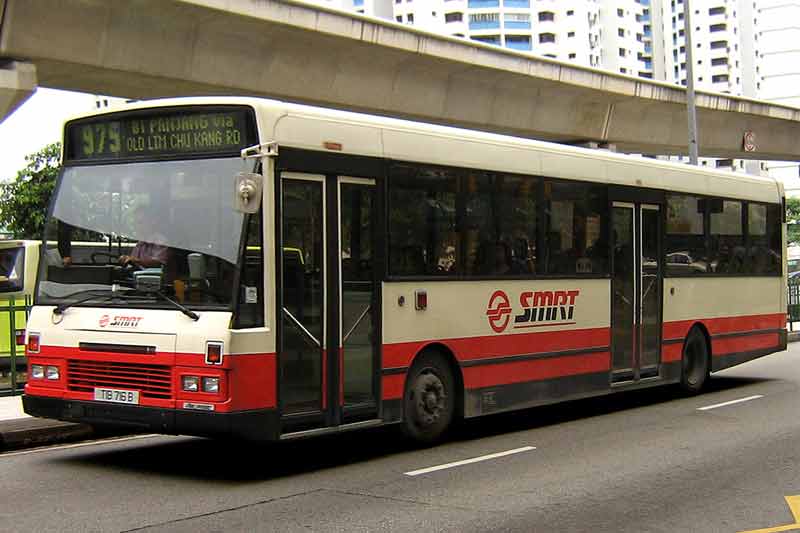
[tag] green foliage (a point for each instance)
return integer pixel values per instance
(793, 219)
(24, 200)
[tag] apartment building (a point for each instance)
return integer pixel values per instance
(723, 44)
(778, 67)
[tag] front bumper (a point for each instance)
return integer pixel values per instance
(261, 424)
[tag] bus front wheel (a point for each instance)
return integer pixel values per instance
(429, 399)
(694, 362)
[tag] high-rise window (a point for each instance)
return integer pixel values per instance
(518, 42)
(547, 38)
(546, 16)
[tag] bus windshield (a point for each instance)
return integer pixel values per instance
(174, 220)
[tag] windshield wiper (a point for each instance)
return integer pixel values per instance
(116, 291)
(180, 307)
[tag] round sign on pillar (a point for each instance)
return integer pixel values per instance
(749, 141)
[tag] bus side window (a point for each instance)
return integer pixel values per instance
(250, 311)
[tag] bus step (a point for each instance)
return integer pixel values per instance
(331, 430)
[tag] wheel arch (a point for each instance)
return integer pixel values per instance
(448, 355)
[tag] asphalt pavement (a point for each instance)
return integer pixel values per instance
(650, 460)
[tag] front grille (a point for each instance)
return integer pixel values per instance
(153, 381)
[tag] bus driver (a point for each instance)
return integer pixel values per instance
(146, 254)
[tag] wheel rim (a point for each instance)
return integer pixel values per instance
(429, 399)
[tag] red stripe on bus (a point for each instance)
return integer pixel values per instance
(715, 326)
(341, 375)
(535, 370)
(465, 349)
(749, 343)
(514, 372)
(252, 382)
(324, 379)
(393, 386)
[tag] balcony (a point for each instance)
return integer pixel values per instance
(483, 3)
(517, 25)
(484, 25)
(516, 3)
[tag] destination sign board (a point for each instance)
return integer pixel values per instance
(159, 133)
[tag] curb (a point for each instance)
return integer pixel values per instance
(793, 336)
(30, 432)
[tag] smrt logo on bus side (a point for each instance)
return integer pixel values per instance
(120, 321)
(539, 308)
(499, 311)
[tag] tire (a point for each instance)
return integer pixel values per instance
(429, 399)
(694, 362)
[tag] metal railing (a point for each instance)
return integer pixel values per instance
(793, 301)
(13, 364)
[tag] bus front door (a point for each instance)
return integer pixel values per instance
(327, 302)
(636, 292)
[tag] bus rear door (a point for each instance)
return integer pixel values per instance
(637, 274)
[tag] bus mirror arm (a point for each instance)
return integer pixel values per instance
(247, 192)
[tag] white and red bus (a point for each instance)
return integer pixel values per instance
(303, 271)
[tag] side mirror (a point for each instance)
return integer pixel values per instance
(247, 192)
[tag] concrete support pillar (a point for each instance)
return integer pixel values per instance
(17, 84)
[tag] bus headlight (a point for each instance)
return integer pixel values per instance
(52, 372)
(37, 371)
(190, 383)
(211, 385)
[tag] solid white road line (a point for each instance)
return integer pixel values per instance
(723, 404)
(469, 461)
(112, 440)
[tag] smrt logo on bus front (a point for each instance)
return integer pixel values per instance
(120, 321)
(539, 308)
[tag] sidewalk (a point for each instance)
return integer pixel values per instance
(18, 430)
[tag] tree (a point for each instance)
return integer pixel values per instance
(793, 220)
(24, 200)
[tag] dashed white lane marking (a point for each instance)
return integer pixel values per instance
(469, 461)
(79, 445)
(723, 404)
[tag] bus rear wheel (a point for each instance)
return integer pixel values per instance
(694, 362)
(429, 399)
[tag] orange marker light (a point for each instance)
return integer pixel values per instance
(33, 343)
(213, 353)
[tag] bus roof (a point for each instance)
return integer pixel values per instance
(299, 126)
